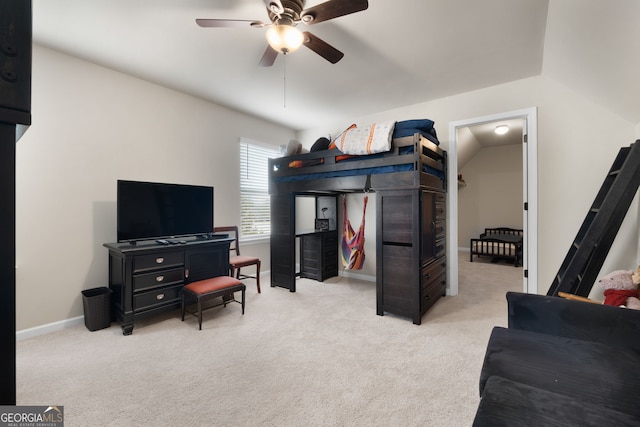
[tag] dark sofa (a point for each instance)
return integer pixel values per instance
(561, 363)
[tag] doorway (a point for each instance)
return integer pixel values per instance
(530, 205)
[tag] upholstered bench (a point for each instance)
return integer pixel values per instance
(202, 290)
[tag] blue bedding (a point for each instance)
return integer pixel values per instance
(409, 127)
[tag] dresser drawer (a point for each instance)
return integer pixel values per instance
(440, 230)
(157, 297)
(441, 211)
(311, 242)
(441, 248)
(158, 260)
(433, 272)
(433, 292)
(142, 282)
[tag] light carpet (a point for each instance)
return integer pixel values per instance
(317, 357)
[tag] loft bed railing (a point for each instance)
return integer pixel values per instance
(413, 161)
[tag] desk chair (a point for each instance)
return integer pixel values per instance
(237, 261)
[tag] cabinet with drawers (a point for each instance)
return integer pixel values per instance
(319, 255)
(147, 278)
(411, 253)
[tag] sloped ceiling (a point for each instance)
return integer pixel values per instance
(396, 53)
(472, 139)
(593, 47)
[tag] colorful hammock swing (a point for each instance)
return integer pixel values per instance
(352, 242)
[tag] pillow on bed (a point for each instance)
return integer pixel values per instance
(321, 143)
(409, 127)
(422, 124)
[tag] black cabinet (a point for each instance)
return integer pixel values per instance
(411, 261)
(319, 255)
(148, 278)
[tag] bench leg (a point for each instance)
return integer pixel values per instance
(199, 313)
(242, 303)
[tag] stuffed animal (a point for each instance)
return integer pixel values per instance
(635, 276)
(620, 289)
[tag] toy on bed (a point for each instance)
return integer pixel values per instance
(620, 289)
(635, 276)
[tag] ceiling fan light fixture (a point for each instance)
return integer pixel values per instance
(284, 38)
(501, 129)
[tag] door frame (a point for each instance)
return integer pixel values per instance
(530, 195)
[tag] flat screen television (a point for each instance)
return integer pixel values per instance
(153, 210)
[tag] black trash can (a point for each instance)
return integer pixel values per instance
(97, 308)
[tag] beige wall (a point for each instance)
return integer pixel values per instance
(577, 142)
(492, 196)
(92, 126)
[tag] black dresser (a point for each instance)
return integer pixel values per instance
(147, 278)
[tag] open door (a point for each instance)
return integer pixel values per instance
(530, 202)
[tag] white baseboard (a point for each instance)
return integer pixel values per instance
(348, 273)
(50, 327)
(67, 323)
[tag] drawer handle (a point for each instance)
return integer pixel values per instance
(159, 260)
(159, 278)
(428, 276)
(160, 296)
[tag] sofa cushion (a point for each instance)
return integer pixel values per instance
(595, 373)
(511, 404)
(574, 319)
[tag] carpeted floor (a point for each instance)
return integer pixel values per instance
(316, 357)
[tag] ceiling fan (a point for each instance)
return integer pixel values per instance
(285, 15)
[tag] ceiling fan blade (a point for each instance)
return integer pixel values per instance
(220, 23)
(268, 57)
(274, 6)
(332, 9)
(322, 48)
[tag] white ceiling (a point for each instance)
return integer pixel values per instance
(397, 53)
(485, 134)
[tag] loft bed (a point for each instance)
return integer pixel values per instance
(409, 179)
(412, 161)
(498, 243)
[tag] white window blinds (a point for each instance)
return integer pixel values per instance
(255, 216)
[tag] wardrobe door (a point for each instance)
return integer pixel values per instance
(398, 253)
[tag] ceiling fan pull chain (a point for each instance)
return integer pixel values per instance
(284, 82)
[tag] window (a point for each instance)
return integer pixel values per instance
(255, 215)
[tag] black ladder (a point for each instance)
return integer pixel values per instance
(584, 260)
